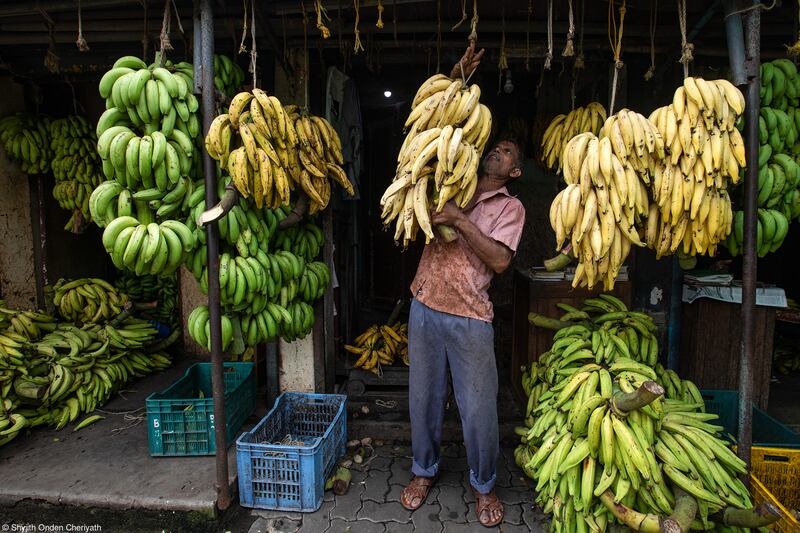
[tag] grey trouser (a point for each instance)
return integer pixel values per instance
(437, 340)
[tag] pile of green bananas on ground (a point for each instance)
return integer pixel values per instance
(228, 75)
(75, 165)
(779, 172)
(147, 289)
(87, 300)
(73, 370)
(26, 139)
(605, 444)
(28, 324)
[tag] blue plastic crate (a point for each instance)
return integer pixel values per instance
(291, 477)
(180, 422)
(767, 431)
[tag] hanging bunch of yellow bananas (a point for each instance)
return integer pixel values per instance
(564, 127)
(691, 204)
(380, 345)
(269, 149)
(439, 159)
(606, 197)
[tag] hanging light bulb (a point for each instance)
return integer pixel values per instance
(508, 87)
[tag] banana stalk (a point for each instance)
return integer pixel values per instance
(644, 395)
(761, 516)
(685, 510)
(644, 523)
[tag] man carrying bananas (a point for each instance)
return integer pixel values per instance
(450, 325)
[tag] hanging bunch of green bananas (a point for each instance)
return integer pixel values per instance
(228, 75)
(75, 167)
(26, 139)
(147, 138)
(304, 240)
(149, 288)
(74, 370)
(778, 170)
(148, 248)
(110, 200)
(611, 437)
(564, 127)
(29, 324)
(87, 300)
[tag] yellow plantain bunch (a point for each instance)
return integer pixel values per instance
(691, 205)
(269, 150)
(564, 127)
(380, 345)
(439, 159)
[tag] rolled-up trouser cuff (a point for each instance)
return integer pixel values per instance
(431, 471)
(485, 487)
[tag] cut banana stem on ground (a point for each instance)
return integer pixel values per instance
(448, 129)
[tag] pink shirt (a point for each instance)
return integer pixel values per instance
(450, 277)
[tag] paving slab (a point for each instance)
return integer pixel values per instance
(275, 525)
(319, 520)
(384, 512)
(454, 508)
(396, 527)
(83, 469)
(376, 486)
(401, 471)
(347, 506)
(426, 518)
(360, 526)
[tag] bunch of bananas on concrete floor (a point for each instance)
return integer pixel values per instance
(26, 139)
(148, 138)
(692, 207)
(612, 437)
(75, 167)
(564, 127)
(147, 289)
(74, 370)
(606, 197)
(228, 75)
(87, 300)
(28, 324)
(440, 155)
(148, 248)
(269, 149)
(380, 345)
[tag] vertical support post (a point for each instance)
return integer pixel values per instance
(197, 48)
(747, 354)
(40, 249)
(328, 329)
(212, 243)
(273, 382)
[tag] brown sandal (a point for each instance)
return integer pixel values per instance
(484, 505)
(417, 489)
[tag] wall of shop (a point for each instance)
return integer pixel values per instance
(17, 285)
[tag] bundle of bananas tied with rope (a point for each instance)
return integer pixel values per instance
(564, 127)
(270, 149)
(439, 158)
(380, 345)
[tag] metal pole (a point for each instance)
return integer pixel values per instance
(212, 244)
(747, 355)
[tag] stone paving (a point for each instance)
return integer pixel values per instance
(372, 505)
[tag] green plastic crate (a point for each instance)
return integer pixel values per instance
(767, 431)
(181, 423)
